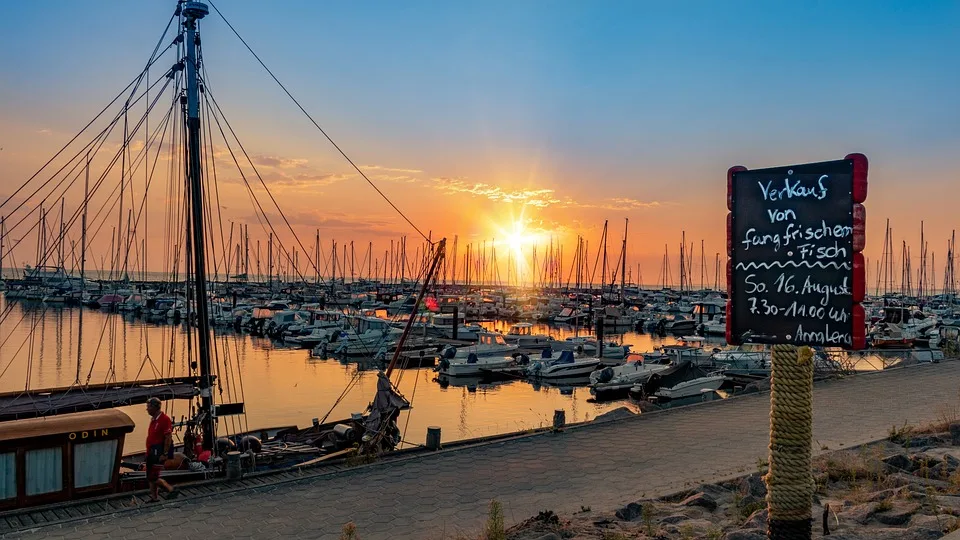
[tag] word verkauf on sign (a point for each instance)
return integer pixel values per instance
(795, 273)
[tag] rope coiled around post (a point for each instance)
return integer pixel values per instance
(790, 485)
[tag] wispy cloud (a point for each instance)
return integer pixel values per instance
(540, 198)
(276, 161)
(366, 168)
(530, 197)
(336, 221)
(391, 174)
(618, 204)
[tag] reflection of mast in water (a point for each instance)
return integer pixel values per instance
(574, 406)
(43, 339)
(464, 430)
(123, 342)
(111, 352)
(58, 338)
(70, 334)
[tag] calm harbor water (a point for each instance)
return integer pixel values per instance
(40, 347)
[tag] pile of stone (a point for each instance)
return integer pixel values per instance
(906, 488)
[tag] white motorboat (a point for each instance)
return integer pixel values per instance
(680, 326)
(612, 380)
(588, 346)
(522, 335)
(693, 387)
(473, 365)
(716, 327)
(488, 344)
(564, 364)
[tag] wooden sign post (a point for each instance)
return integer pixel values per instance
(795, 277)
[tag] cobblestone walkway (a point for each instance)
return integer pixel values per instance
(602, 466)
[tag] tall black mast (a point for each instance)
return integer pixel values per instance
(192, 12)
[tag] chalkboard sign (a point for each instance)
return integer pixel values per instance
(791, 247)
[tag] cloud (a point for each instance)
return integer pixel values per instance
(391, 174)
(528, 197)
(618, 204)
(279, 162)
(335, 221)
(389, 169)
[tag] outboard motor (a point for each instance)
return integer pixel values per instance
(606, 375)
(472, 358)
(443, 364)
(522, 359)
(448, 352)
(547, 353)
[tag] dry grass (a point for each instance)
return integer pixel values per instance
(493, 530)
(947, 414)
(349, 532)
(849, 466)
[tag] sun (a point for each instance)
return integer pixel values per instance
(518, 238)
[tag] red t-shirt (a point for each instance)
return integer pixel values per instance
(159, 428)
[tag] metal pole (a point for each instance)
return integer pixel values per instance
(194, 11)
(789, 481)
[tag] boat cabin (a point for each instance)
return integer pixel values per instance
(489, 338)
(61, 458)
(521, 329)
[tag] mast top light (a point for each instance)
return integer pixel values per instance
(195, 10)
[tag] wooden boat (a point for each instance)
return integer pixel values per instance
(61, 458)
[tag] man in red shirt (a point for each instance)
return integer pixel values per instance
(159, 447)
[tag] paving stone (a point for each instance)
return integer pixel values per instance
(449, 492)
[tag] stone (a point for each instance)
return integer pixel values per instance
(861, 513)
(948, 501)
(951, 461)
(898, 515)
(749, 500)
(746, 534)
(940, 522)
(630, 512)
(754, 485)
(702, 500)
(917, 483)
(955, 433)
(883, 495)
(939, 471)
(899, 462)
(549, 536)
(757, 520)
(674, 519)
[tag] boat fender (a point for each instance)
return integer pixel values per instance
(249, 442)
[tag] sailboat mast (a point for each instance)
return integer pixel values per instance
(83, 227)
(194, 11)
(623, 261)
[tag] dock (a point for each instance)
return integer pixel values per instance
(602, 464)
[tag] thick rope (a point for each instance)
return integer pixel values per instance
(790, 484)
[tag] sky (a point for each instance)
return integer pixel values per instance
(527, 121)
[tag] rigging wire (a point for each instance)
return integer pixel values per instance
(315, 124)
